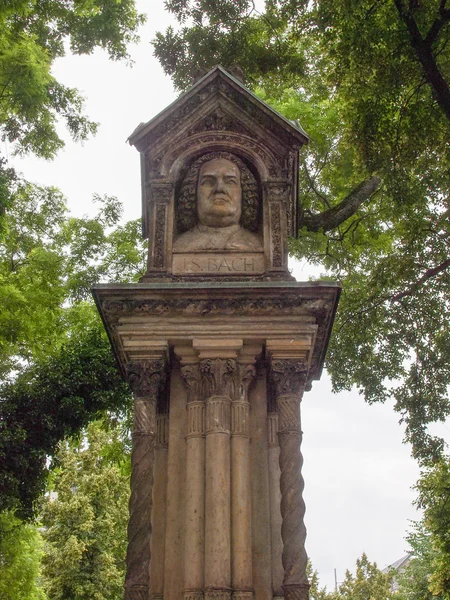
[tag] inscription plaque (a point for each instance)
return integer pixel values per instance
(236, 263)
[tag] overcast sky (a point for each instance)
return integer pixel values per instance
(358, 473)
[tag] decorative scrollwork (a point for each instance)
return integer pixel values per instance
(247, 375)
(218, 377)
(160, 236)
(218, 594)
(145, 377)
(275, 227)
(288, 376)
(191, 377)
(139, 524)
(193, 595)
(243, 595)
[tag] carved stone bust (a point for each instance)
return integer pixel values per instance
(219, 210)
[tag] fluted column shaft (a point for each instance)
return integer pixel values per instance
(218, 384)
(289, 379)
(195, 487)
(145, 378)
(218, 516)
(241, 516)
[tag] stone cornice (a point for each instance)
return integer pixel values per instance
(170, 313)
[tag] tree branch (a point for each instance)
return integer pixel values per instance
(313, 187)
(438, 23)
(333, 217)
(424, 53)
(429, 273)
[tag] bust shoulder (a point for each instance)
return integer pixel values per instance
(187, 241)
(244, 240)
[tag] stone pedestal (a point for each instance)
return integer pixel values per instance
(219, 344)
(218, 372)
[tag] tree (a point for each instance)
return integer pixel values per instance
(368, 583)
(413, 580)
(434, 499)
(315, 591)
(48, 260)
(369, 82)
(50, 401)
(20, 558)
(58, 370)
(48, 263)
(33, 35)
(85, 520)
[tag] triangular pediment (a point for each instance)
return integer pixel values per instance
(217, 84)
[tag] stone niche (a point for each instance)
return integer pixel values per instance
(216, 122)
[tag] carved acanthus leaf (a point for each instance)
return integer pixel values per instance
(146, 377)
(191, 377)
(218, 377)
(289, 376)
(247, 375)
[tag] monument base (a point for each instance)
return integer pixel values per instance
(223, 432)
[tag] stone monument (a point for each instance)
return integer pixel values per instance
(218, 343)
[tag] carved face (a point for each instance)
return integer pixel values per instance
(219, 193)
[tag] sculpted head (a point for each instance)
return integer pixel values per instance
(219, 193)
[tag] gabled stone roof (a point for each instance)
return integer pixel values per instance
(219, 73)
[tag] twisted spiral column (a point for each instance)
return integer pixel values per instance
(145, 378)
(289, 379)
(275, 502)
(159, 506)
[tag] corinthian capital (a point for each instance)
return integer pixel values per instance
(218, 377)
(247, 373)
(288, 376)
(146, 377)
(191, 377)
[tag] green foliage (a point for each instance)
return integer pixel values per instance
(368, 583)
(48, 263)
(57, 367)
(85, 535)
(226, 32)
(20, 557)
(413, 581)
(33, 34)
(315, 591)
(49, 401)
(427, 575)
(434, 498)
(353, 74)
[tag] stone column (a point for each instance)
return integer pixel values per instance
(194, 557)
(218, 371)
(276, 542)
(145, 377)
(159, 508)
(288, 376)
(241, 513)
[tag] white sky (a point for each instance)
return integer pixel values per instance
(358, 473)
